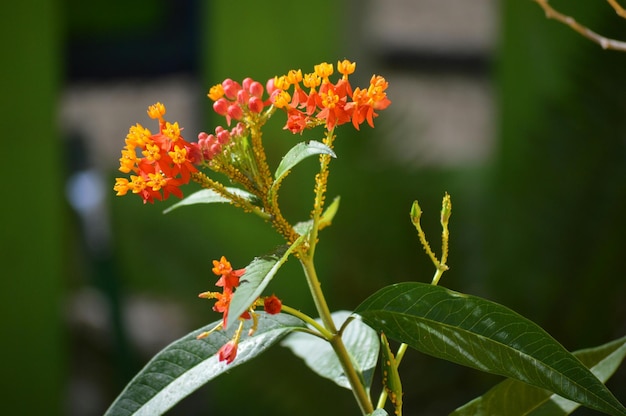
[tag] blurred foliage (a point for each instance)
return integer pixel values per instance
(31, 289)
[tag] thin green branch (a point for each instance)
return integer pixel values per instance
(358, 389)
(321, 331)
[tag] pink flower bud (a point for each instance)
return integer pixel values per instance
(221, 106)
(230, 88)
(238, 130)
(255, 104)
(242, 97)
(269, 86)
(223, 136)
(234, 112)
(215, 148)
(245, 84)
(256, 89)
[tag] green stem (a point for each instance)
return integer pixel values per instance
(324, 333)
(316, 292)
(306, 259)
(358, 388)
(442, 268)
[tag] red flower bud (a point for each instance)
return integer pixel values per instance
(228, 352)
(272, 305)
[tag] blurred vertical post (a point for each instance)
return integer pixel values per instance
(32, 372)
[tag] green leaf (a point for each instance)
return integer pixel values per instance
(360, 340)
(208, 196)
(512, 397)
(484, 335)
(327, 216)
(303, 227)
(297, 154)
(259, 273)
(187, 364)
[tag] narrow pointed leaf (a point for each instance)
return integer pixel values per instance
(209, 196)
(298, 153)
(514, 398)
(188, 363)
(326, 219)
(327, 216)
(360, 340)
(259, 273)
(391, 376)
(484, 335)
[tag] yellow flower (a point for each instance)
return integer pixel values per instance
(172, 130)
(156, 111)
(282, 99)
(121, 186)
(346, 68)
(216, 92)
(311, 80)
(324, 70)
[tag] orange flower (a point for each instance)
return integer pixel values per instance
(328, 103)
(366, 101)
(229, 280)
(333, 107)
(296, 121)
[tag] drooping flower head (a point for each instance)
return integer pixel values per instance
(229, 280)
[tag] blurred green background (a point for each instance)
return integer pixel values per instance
(540, 227)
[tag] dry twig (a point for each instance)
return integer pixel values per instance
(618, 9)
(604, 42)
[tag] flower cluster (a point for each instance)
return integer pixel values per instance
(161, 162)
(233, 100)
(228, 281)
(325, 102)
(212, 145)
